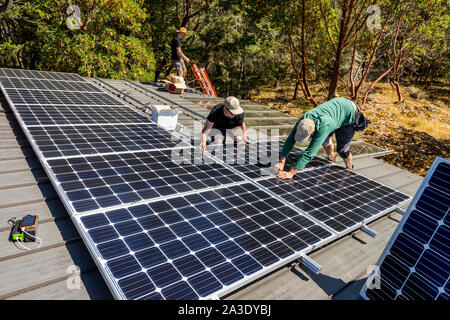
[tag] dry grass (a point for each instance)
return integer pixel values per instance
(416, 129)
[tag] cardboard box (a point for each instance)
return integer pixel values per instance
(175, 87)
(165, 117)
(175, 79)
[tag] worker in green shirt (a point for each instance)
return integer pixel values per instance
(340, 116)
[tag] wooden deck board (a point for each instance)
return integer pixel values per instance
(17, 196)
(22, 179)
(42, 267)
(92, 286)
(54, 233)
(45, 210)
(16, 153)
(7, 166)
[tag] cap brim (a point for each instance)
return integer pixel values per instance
(236, 112)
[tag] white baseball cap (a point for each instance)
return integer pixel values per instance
(305, 129)
(232, 104)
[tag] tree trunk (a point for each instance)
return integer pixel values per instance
(397, 88)
(339, 49)
(336, 71)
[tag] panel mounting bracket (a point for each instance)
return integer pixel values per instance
(310, 264)
(370, 232)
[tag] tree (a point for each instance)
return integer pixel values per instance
(107, 43)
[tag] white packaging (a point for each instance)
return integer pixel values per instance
(165, 117)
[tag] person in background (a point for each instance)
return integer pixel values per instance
(226, 115)
(340, 116)
(178, 57)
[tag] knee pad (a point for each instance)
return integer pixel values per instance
(344, 154)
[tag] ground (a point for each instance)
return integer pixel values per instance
(416, 129)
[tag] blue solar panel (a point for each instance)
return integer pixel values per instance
(339, 198)
(65, 141)
(48, 84)
(415, 264)
(201, 254)
(257, 160)
(104, 181)
(46, 115)
(35, 74)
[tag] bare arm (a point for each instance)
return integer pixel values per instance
(182, 54)
(205, 131)
(244, 132)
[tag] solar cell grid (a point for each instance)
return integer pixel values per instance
(39, 97)
(200, 251)
(337, 197)
(41, 115)
(103, 181)
(35, 74)
(84, 140)
(257, 160)
(52, 85)
(415, 264)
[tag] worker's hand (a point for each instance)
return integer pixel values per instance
(247, 141)
(279, 166)
(286, 175)
(203, 146)
(188, 60)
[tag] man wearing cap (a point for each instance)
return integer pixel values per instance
(340, 116)
(178, 56)
(227, 115)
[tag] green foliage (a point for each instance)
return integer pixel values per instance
(109, 43)
(243, 44)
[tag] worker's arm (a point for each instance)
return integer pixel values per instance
(205, 131)
(317, 139)
(182, 54)
(244, 132)
(287, 147)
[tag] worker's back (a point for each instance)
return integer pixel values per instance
(335, 113)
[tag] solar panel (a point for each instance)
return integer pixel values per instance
(341, 199)
(160, 218)
(103, 181)
(415, 263)
(53, 85)
(54, 142)
(36, 74)
(43, 115)
(194, 246)
(257, 160)
(30, 97)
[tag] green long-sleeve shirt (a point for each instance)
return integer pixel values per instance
(328, 117)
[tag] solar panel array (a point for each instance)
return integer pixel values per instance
(258, 160)
(415, 263)
(341, 199)
(73, 140)
(191, 246)
(163, 220)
